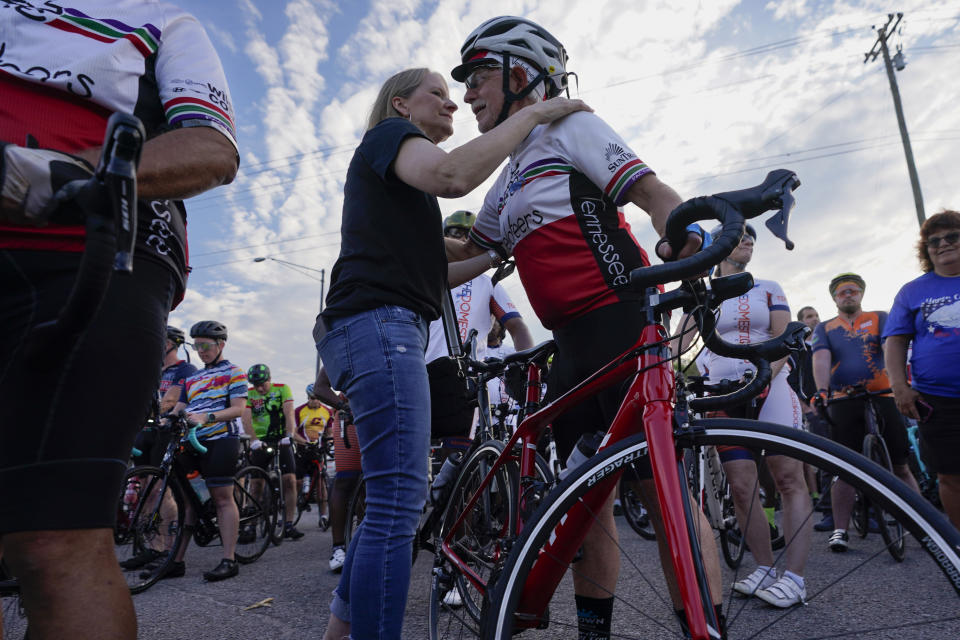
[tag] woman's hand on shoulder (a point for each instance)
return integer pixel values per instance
(556, 108)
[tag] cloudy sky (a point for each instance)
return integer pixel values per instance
(712, 94)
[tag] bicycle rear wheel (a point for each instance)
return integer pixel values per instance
(254, 498)
(859, 594)
(148, 531)
(455, 603)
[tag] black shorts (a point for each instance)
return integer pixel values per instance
(451, 407)
(260, 458)
(940, 435)
(62, 457)
(218, 465)
(152, 443)
(584, 345)
(849, 426)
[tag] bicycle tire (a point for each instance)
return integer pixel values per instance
(479, 544)
(356, 508)
(890, 531)
(923, 599)
(149, 517)
(279, 509)
(321, 493)
(732, 542)
(251, 492)
(634, 512)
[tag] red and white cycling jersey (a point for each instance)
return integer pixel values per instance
(66, 66)
(555, 207)
(473, 303)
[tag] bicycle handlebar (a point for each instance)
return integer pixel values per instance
(731, 208)
(493, 367)
(189, 433)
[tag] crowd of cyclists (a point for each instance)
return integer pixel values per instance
(555, 212)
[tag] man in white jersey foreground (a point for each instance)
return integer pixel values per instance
(67, 67)
(556, 209)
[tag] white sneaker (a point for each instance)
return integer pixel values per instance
(761, 578)
(785, 593)
(336, 560)
(453, 598)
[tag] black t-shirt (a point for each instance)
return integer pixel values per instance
(391, 248)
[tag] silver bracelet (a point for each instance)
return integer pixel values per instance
(494, 258)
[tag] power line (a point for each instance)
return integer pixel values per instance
(262, 244)
(250, 259)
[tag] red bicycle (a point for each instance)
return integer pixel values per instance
(509, 564)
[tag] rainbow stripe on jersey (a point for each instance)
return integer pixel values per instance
(212, 389)
(145, 38)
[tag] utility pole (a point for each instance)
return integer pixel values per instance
(882, 34)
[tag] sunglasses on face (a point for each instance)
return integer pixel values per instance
(457, 232)
(948, 238)
(475, 79)
(203, 346)
(848, 292)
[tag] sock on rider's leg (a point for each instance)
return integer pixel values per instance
(593, 617)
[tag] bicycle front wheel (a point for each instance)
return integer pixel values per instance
(455, 603)
(858, 594)
(251, 491)
(149, 527)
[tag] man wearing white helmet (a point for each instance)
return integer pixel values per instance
(556, 208)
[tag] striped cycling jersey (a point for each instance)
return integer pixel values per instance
(211, 389)
(555, 207)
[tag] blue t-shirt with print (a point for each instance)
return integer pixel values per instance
(928, 309)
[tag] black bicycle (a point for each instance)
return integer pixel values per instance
(313, 487)
(152, 511)
(866, 513)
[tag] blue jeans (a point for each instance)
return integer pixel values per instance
(376, 359)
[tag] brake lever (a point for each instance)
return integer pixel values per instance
(777, 223)
(775, 192)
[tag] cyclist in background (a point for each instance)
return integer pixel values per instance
(214, 399)
(476, 304)
(847, 351)
(926, 313)
(760, 314)
(314, 421)
(52, 123)
(346, 452)
(268, 417)
(150, 441)
(556, 208)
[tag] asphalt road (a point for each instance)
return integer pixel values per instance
(296, 577)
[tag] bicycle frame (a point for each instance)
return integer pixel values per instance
(647, 407)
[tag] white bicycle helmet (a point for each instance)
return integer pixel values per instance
(513, 36)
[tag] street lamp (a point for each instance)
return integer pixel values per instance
(297, 267)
